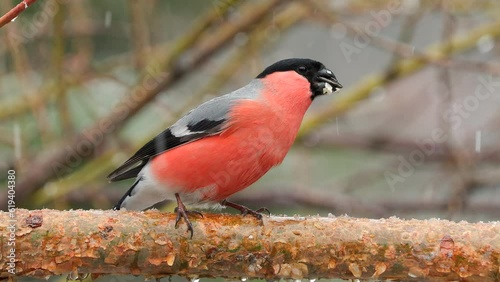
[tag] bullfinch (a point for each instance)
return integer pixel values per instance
(227, 143)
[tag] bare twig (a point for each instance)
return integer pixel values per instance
(14, 12)
(147, 243)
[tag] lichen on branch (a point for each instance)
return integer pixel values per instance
(50, 242)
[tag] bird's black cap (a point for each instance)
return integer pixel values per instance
(315, 72)
(311, 67)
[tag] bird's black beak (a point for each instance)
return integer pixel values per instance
(327, 76)
(325, 82)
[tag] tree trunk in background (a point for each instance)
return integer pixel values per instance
(50, 242)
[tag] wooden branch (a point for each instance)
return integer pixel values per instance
(50, 242)
(14, 12)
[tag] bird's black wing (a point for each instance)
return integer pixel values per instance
(163, 142)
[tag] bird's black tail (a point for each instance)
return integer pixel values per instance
(129, 193)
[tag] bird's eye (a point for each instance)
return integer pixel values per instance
(302, 69)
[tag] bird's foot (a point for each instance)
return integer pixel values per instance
(182, 212)
(244, 210)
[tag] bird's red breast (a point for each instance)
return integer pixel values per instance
(260, 133)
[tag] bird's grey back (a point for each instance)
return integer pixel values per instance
(215, 110)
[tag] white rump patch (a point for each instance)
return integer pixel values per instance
(150, 191)
(200, 197)
(147, 192)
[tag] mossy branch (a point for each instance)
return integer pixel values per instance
(50, 242)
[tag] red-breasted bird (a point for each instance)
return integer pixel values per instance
(227, 143)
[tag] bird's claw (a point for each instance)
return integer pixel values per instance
(188, 212)
(257, 213)
(262, 210)
(246, 211)
(182, 212)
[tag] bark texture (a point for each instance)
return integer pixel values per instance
(50, 242)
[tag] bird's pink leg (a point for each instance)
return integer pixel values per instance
(183, 212)
(244, 210)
